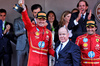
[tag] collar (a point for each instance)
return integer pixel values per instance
(4, 21)
(64, 43)
(89, 36)
(84, 15)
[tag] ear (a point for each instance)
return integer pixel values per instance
(86, 7)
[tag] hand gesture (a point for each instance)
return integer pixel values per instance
(89, 16)
(21, 2)
(79, 16)
(7, 29)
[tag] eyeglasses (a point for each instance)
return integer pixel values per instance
(2, 15)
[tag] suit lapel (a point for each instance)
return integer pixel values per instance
(66, 48)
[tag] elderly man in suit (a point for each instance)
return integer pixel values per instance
(67, 53)
(78, 19)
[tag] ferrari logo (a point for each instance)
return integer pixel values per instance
(97, 40)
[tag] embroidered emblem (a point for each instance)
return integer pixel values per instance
(47, 38)
(41, 44)
(85, 40)
(47, 32)
(97, 40)
(37, 33)
(85, 44)
(91, 54)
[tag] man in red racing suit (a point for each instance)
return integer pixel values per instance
(40, 40)
(89, 44)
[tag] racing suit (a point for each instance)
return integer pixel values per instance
(90, 49)
(40, 43)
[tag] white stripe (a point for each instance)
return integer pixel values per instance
(39, 52)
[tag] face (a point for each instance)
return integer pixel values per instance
(51, 17)
(63, 35)
(35, 12)
(67, 18)
(41, 22)
(91, 30)
(82, 7)
(2, 16)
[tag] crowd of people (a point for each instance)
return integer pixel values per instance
(42, 40)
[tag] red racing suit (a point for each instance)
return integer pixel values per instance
(40, 43)
(90, 49)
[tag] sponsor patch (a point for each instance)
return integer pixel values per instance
(91, 54)
(41, 44)
(85, 40)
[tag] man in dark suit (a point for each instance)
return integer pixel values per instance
(78, 20)
(7, 35)
(0, 29)
(67, 53)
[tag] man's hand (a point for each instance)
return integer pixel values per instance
(22, 2)
(89, 16)
(7, 29)
(79, 16)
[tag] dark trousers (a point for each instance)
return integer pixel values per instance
(6, 58)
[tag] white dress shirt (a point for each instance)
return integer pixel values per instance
(58, 48)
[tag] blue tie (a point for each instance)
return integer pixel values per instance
(60, 48)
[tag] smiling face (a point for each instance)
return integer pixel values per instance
(63, 34)
(82, 7)
(41, 22)
(51, 17)
(91, 30)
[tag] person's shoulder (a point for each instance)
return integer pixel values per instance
(73, 44)
(82, 36)
(97, 35)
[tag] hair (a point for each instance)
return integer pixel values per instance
(61, 22)
(35, 6)
(63, 28)
(55, 22)
(81, 1)
(3, 11)
(74, 10)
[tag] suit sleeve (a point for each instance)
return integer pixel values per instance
(71, 24)
(51, 50)
(26, 20)
(18, 31)
(76, 56)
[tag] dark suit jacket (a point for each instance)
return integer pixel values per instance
(69, 55)
(0, 29)
(5, 44)
(81, 27)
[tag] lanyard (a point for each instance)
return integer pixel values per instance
(53, 28)
(3, 27)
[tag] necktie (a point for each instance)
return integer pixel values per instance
(60, 48)
(82, 18)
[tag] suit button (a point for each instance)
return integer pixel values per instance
(56, 61)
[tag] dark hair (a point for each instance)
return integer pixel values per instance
(3, 11)
(35, 6)
(74, 10)
(81, 1)
(55, 23)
